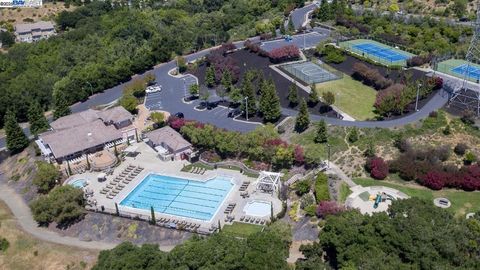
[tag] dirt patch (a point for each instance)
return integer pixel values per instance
(46, 12)
(26, 252)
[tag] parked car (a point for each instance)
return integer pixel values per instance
(153, 89)
(234, 113)
(179, 115)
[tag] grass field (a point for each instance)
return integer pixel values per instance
(344, 191)
(241, 229)
(462, 202)
(351, 96)
(26, 252)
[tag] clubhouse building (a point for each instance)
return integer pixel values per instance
(73, 136)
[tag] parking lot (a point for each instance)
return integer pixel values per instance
(153, 101)
(302, 41)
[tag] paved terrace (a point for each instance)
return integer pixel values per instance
(148, 160)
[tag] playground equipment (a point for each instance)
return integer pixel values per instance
(288, 38)
(381, 198)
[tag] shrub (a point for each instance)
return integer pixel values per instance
(434, 180)
(460, 149)
(311, 210)
(468, 117)
(4, 244)
(333, 55)
(288, 52)
(469, 158)
(353, 135)
(391, 100)
(321, 188)
(377, 167)
(326, 208)
(419, 60)
(176, 123)
(370, 76)
(298, 155)
(46, 177)
(302, 187)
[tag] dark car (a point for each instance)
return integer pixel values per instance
(234, 113)
(179, 115)
(464, 19)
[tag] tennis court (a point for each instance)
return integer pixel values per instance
(311, 73)
(377, 51)
(460, 69)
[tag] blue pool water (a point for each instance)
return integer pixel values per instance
(468, 70)
(79, 183)
(381, 52)
(179, 197)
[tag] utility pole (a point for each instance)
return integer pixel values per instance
(246, 107)
(184, 88)
(328, 157)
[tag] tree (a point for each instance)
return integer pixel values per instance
(303, 119)
(270, 103)
(292, 95)
(149, 78)
(312, 97)
(327, 208)
(129, 102)
(227, 79)
(210, 76)
(378, 168)
(205, 96)
(158, 119)
(16, 139)
(249, 93)
(370, 151)
(291, 26)
(459, 7)
(46, 177)
(282, 29)
(182, 64)
(302, 187)
(60, 105)
(7, 39)
(194, 89)
(324, 13)
(321, 135)
(353, 135)
(329, 98)
(63, 205)
(235, 95)
(38, 121)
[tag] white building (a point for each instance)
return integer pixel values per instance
(31, 32)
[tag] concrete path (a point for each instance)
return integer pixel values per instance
(24, 216)
(334, 169)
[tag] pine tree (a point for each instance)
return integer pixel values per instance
(210, 76)
(153, 221)
(353, 135)
(16, 139)
(321, 136)
(227, 79)
(292, 95)
(38, 121)
(303, 118)
(291, 27)
(60, 105)
(270, 103)
(249, 92)
(312, 97)
(274, 32)
(324, 12)
(282, 29)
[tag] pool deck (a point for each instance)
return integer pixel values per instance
(148, 160)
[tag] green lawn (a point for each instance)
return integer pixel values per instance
(462, 202)
(241, 229)
(344, 191)
(351, 96)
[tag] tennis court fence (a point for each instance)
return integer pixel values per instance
(448, 68)
(350, 46)
(328, 73)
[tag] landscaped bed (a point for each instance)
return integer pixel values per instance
(247, 61)
(242, 229)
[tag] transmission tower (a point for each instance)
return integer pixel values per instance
(467, 96)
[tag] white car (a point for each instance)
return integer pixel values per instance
(153, 89)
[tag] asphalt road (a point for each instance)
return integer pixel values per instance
(302, 41)
(299, 16)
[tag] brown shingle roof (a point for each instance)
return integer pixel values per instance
(169, 137)
(74, 120)
(116, 115)
(69, 141)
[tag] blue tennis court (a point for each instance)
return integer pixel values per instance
(468, 70)
(381, 52)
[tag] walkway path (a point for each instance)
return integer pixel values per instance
(22, 213)
(336, 170)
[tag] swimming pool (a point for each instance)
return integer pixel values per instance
(258, 208)
(179, 197)
(78, 183)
